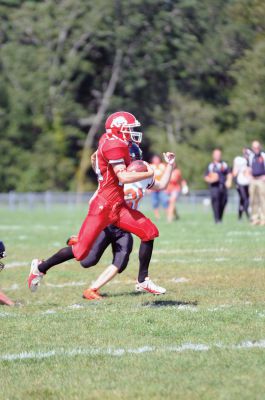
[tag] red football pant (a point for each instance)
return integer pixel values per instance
(101, 214)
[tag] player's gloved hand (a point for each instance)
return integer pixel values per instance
(169, 158)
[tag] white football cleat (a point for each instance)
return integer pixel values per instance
(35, 276)
(149, 286)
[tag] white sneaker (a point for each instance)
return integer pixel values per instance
(149, 286)
(35, 276)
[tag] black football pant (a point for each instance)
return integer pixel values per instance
(121, 243)
(243, 193)
(219, 200)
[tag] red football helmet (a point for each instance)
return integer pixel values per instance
(122, 123)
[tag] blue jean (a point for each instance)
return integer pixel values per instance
(159, 198)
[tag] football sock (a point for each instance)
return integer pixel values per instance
(62, 255)
(145, 254)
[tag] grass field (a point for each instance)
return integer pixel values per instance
(204, 339)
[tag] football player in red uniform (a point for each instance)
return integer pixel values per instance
(108, 205)
(120, 240)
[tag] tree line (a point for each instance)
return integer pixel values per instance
(192, 71)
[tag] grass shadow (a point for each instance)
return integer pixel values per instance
(169, 303)
(154, 303)
(121, 294)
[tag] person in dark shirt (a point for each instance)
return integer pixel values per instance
(257, 184)
(218, 176)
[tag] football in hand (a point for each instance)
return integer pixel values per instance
(137, 166)
(213, 177)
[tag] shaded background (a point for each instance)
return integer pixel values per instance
(193, 72)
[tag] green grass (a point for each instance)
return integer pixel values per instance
(96, 346)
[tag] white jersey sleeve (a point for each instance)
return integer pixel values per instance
(134, 192)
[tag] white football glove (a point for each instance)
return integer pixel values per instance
(169, 158)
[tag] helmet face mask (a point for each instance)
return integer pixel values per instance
(135, 136)
(122, 123)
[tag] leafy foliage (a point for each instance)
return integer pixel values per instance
(192, 71)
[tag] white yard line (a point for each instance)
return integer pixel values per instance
(11, 227)
(182, 251)
(67, 284)
(16, 286)
(179, 280)
(245, 233)
(16, 264)
(87, 305)
(117, 352)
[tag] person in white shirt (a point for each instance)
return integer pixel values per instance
(256, 161)
(242, 176)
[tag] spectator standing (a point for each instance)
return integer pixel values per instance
(257, 184)
(176, 185)
(158, 197)
(241, 174)
(219, 178)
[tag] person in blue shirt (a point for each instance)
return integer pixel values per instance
(257, 184)
(219, 178)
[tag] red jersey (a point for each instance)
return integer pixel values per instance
(110, 151)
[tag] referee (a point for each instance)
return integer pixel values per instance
(219, 178)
